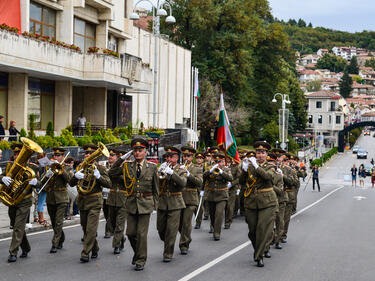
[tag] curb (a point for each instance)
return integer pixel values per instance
(37, 228)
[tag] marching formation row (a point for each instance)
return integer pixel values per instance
(266, 182)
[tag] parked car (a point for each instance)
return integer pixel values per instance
(366, 133)
(368, 169)
(362, 154)
(355, 149)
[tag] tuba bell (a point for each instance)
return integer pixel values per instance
(87, 184)
(20, 174)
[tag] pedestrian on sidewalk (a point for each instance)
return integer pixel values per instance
(315, 176)
(13, 131)
(354, 175)
(373, 177)
(362, 176)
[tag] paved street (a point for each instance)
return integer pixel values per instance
(330, 239)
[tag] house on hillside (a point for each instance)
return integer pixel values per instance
(345, 52)
(309, 59)
(362, 89)
(322, 52)
(308, 75)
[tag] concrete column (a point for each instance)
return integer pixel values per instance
(63, 105)
(65, 22)
(17, 99)
(102, 34)
(25, 15)
(121, 46)
(95, 105)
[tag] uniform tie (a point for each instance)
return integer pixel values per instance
(138, 170)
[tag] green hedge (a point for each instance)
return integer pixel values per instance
(325, 157)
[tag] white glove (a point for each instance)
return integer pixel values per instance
(79, 175)
(33, 182)
(187, 173)
(126, 155)
(201, 193)
(49, 173)
(1, 171)
(168, 171)
(238, 192)
(213, 168)
(182, 167)
(279, 171)
(7, 180)
(253, 161)
(220, 171)
(97, 174)
(162, 166)
(245, 165)
(229, 184)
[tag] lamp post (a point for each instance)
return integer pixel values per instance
(284, 100)
(157, 12)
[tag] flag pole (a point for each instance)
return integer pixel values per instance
(191, 103)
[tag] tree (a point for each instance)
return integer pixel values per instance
(357, 78)
(292, 22)
(310, 25)
(331, 62)
(370, 63)
(314, 86)
(345, 85)
(353, 66)
(301, 23)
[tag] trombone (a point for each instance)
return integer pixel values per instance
(56, 169)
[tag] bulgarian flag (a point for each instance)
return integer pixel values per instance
(225, 138)
(197, 95)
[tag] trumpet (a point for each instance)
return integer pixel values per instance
(161, 171)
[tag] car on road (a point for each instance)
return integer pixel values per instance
(366, 133)
(368, 168)
(362, 154)
(355, 149)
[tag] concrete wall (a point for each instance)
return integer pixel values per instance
(17, 98)
(63, 104)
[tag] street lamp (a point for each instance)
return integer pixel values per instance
(284, 100)
(157, 12)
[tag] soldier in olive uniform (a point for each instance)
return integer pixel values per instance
(300, 173)
(260, 199)
(89, 205)
(216, 181)
(19, 214)
(291, 181)
(116, 203)
(57, 196)
(190, 195)
(141, 185)
(281, 180)
(233, 189)
(172, 182)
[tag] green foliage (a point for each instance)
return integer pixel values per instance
(317, 162)
(325, 157)
(50, 131)
(105, 136)
(47, 141)
(357, 78)
(314, 86)
(370, 63)
(69, 128)
(23, 133)
(66, 138)
(332, 62)
(271, 132)
(32, 134)
(88, 129)
(4, 145)
(353, 66)
(292, 145)
(346, 85)
(84, 140)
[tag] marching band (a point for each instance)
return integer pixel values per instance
(263, 186)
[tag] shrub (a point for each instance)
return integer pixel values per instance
(316, 162)
(47, 141)
(32, 126)
(4, 145)
(88, 129)
(50, 131)
(66, 138)
(23, 133)
(84, 140)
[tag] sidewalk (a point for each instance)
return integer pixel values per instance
(5, 231)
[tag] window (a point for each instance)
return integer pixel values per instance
(4, 97)
(112, 43)
(330, 119)
(333, 106)
(318, 104)
(320, 119)
(84, 34)
(310, 119)
(338, 119)
(41, 101)
(42, 20)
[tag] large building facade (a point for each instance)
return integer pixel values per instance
(56, 81)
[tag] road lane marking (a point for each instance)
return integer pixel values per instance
(359, 198)
(240, 247)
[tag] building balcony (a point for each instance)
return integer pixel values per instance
(48, 61)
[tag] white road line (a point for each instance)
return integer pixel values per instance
(240, 247)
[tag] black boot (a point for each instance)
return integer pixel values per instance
(116, 251)
(139, 267)
(278, 246)
(197, 226)
(267, 254)
(53, 250)
(60, 246)
(94, 255)
(12, 258)
(260, 263)
(84, 259)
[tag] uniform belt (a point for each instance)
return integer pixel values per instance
(172, 193)
(217, 189)
(265, 189)
(289, 190)
(98, 194)
(117, 190)
(191, 189)
(141, 194)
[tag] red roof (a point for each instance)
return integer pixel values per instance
(324, 94)
(361, 86)
(143, 23)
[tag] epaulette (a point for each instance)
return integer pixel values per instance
(150, 162)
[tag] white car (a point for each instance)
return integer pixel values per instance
(355, 149)
(362, 153)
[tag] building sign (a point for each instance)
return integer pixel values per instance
(125, 110)
(10, 13)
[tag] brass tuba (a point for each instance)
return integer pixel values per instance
(20, 174)
(87, 184)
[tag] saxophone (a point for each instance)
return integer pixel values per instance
(20, 174)
(86, 185)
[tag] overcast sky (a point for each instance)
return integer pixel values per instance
(347, 15)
